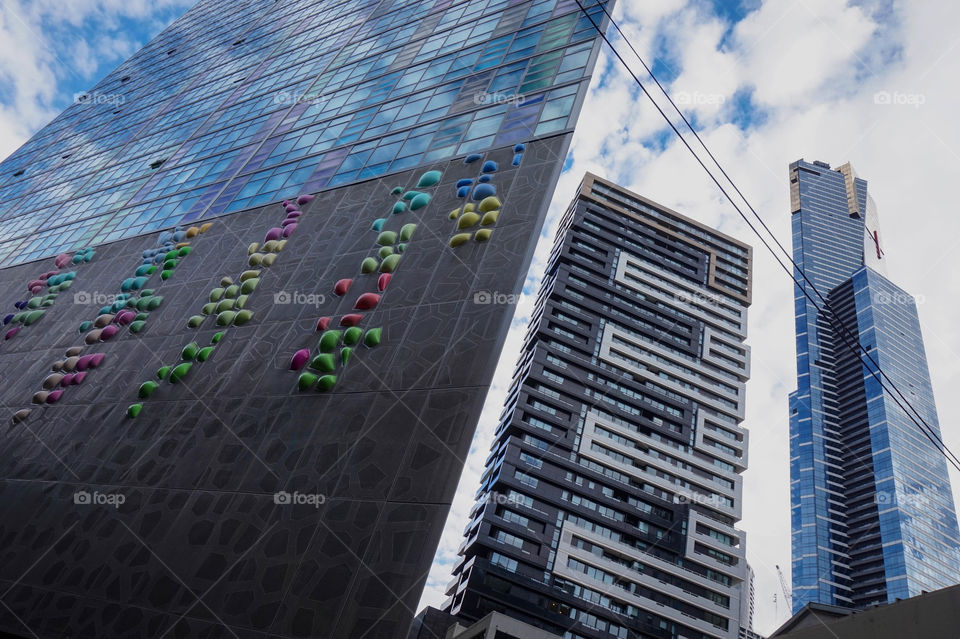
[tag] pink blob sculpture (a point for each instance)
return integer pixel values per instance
(367, 301)
(351, 320)
(299, 359)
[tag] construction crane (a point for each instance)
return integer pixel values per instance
(787, 593)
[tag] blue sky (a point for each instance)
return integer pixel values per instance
(766, 84)
(52, 49)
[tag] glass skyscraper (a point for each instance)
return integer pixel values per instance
(610, 498)
(244, 102)
(872, 513)
(242, 357)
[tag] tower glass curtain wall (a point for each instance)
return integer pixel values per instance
(272, 221)
(610, 497)
(872, 513)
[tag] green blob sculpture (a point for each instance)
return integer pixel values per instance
(387, 238)
(329, 341)
(32, 317)
(162, 372)
(204, 353)
(231, 291)
(326, 382)
(216, 294)
(179, 372)
(189, 351)
(165, 274)
(490, 217)
(345, 355)
(226, 318)
(223, 305)
(137, 325)
(306, 381)
(134, 410)
(372, 338)
(195, 321)
(324, 362)
(249, 285)
(389, 265)
(369, 265)
(482, 235)
(384, 252)
(209, 308)
(406, 232)
(243, 317)
(217, 337)
(352, 335)
(146, 389)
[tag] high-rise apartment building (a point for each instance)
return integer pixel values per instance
(872, 513)
(610, 497)
(242, 362)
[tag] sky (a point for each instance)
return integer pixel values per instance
(870, 82)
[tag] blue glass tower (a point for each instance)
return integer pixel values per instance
(872, 514)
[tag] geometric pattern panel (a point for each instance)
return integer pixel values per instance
(236, 500)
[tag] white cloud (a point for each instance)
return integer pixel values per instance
(44, 46)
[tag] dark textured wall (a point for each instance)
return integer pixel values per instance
(199, 542)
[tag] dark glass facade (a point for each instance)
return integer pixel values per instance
(873, 517)
(242, 357)
(610, 497)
